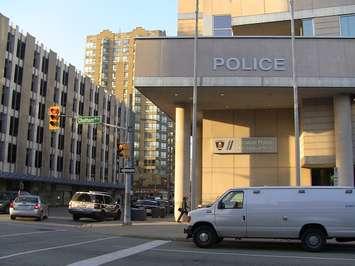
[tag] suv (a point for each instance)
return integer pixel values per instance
(95, 205)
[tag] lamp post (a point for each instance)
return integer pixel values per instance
(295, 96)
(194, 117)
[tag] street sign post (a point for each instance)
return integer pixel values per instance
(89, 119)
(127, 170)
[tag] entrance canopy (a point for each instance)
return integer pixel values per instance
(244, 72)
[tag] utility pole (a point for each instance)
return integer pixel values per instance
(128, 177)
(194, 117)
(295, 96)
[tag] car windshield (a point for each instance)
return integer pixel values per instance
(27, 199)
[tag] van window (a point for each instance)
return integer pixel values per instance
(233, 200)
(81, 197)
(99, 199)
(108, 200)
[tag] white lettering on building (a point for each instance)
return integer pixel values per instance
(249, 64)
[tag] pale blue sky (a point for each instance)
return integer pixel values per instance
(62, 25)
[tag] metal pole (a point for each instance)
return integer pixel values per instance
(295, 96)
(194, 117)
(127, 202)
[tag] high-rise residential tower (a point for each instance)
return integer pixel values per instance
(110, 62)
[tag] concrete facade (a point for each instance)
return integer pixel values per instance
(53, 164)
(242, 100)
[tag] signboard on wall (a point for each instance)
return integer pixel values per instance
(244, 145)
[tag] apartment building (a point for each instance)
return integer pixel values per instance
(245, 129)
(110, 62)
(52, 164)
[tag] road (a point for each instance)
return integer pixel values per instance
(62, 242)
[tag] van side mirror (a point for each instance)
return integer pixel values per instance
(221, 205)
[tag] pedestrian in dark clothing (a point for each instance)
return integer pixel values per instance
(183, 209)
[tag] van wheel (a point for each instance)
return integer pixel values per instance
(204, 237)
(219, 240)
(314, 240)
(76, 218)
(117, 216)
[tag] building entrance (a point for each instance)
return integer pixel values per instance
(322, 177)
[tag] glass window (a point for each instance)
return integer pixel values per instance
(308, 27)
(347, 24)
(233, 200)
(222, 21)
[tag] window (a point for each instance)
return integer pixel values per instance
(61, 142)
(18, 75)
(32, 111)
(78, 147)
(36, 59)
(43, 89)
(82, 197)
(10, 42)
(62, 122)
(45, 65)
(222, 26)
(81, 108)
(53, 137)
(30, 132)
(65, 78)
(41, 110)
(2, 151)
(39, 137)
(233, 200)
(5, 95)
(308, 27)
(13, 131)
(38, 159)
(93, 152)
(59, 163)
(11, 153)
(77, 168)
(347, 25)
(7, 69)
(63, 99)
(16, 100)
(3, 122)
(34, 83)
(20, 51)
(51, 162)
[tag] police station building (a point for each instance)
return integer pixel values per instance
(245, 127)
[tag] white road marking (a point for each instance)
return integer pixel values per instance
(56, 247)
(252, 255)
(106, 258)
(31, 233)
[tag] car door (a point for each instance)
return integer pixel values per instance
(230, 215)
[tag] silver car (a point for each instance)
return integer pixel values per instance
(28, 206)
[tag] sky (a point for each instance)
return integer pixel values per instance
(62, 25)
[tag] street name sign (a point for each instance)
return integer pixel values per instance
(89, 120)
(127, 170)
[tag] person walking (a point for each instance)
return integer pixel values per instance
(183, 210)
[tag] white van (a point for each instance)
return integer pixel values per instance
(311, 214)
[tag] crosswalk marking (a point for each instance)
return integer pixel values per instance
(109, 257)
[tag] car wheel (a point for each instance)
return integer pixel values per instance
(76, 218)
(204, 236)
(314, 240)
(12, 217)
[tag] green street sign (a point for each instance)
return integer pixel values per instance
(89, 120)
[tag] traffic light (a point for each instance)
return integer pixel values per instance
(54, 117)
(123, 150)
(120, 150)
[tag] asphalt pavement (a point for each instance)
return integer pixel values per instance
(61, 241)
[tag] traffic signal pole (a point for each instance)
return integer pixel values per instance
(128, 177)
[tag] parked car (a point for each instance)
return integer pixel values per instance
(29, 206)
(312, 214)
(95, 205)
(147, 204)
(6, 197)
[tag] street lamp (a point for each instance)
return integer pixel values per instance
(295, 96)
(194, 117)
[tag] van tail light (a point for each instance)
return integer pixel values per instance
(12, 205)
(37, 206)
(97, 206)
(70, 204)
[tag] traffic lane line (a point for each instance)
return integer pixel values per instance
(55, 247)
(120, 254)
(253, 255)
(31, 233)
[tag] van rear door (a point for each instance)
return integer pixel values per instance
(230, 215)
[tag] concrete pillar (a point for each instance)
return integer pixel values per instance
(343, 140)
(180, 161)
